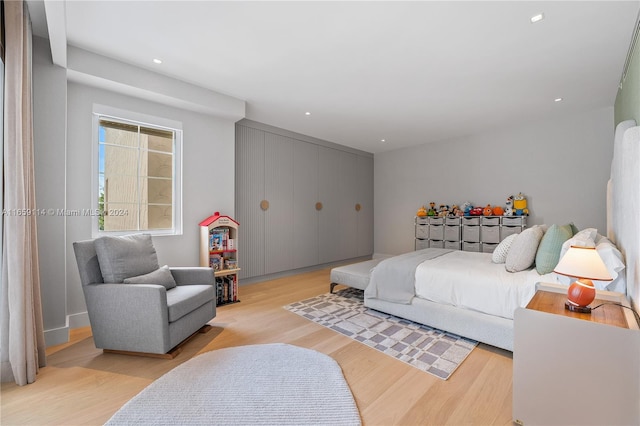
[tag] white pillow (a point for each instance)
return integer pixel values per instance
(500, 252)
(612, 257)
(614, 262)
(522, 252)
(585, 238)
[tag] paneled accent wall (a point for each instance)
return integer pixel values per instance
(301, 202)
(250, 177)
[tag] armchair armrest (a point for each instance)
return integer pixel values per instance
(125, 316)
(190, 275)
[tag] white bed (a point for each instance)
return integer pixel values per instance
(471, 281)
(466, 294)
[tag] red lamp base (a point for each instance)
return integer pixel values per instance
(580, 294)
(573, 308)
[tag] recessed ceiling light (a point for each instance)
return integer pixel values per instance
(157, 61)
(383, 140)
(557, 100)
(537, 18)
(307, 113)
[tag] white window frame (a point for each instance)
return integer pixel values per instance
(103, 111)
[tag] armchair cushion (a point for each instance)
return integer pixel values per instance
(187, 298)
(125, 257)
(161, 276)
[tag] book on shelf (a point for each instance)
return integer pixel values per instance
(235, 287)
(230, 263)
(219, 291)
(216, 240)
(219, 240)
(229, 289)
(231, 282)
(216, 262)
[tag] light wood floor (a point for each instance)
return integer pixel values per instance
(83, 386)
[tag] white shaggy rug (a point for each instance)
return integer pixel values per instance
(271, 384)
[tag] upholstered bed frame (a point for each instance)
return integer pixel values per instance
(624, 229)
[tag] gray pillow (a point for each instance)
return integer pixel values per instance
(522, 252)
(160, 276)
(126, 256)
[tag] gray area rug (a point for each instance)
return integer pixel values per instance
(271, 384)
(434, 351)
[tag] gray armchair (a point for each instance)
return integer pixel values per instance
(134, 305)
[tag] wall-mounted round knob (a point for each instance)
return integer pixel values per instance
(318, 206)
(264, 205)
(358, 207)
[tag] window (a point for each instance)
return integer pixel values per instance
(137, 185)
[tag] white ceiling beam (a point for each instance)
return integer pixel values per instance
(55, 11)
(99, 71)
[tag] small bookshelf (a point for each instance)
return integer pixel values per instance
(219, 251)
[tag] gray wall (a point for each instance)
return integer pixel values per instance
(50, 116)
(562, 166)
(207, 181)
(62, 127)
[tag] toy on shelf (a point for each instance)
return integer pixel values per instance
(466, 208)
(476, 211)
(498, 211)
(508, 211)
(487, 211)
(422, 212)
(432, 209)
(443, 211)
(520, 205)
(456, 211)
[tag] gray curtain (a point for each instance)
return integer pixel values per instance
(22, 347)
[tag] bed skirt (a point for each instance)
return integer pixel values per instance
(495, 331)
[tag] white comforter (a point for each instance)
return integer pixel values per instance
(471, 281)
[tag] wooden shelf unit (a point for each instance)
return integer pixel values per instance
(219, 250)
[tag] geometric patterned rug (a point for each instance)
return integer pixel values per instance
(435, 351)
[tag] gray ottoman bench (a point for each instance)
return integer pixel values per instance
(355, 275)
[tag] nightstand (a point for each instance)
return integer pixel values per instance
(573, 368)
(553, 303)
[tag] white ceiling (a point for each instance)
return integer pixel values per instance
(407, 72)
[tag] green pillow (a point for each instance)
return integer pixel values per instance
(548, 254)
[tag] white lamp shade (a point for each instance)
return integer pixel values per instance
(583, 262)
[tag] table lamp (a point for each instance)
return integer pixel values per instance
(585, 264)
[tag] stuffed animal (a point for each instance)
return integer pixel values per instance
(466, 208)
(520, 205)
(498, 211)
(476, 211)
(444, 210)
(456, 211)
(487, 211)
(422, 212)
(508, 211)
(432, 209)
